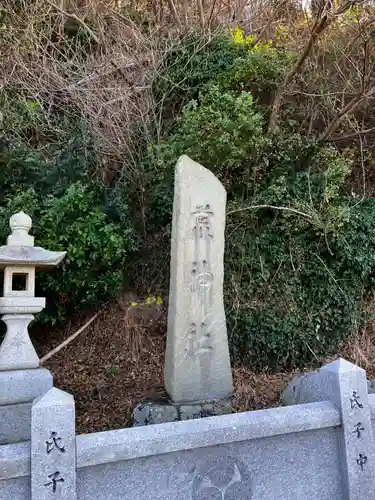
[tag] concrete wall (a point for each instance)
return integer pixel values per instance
(280, 453)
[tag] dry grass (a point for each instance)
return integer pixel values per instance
(255, 391)
(114, 364)
(119, 361)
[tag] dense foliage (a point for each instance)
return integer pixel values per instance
(97, 177)
(71, 211)
(300, 250)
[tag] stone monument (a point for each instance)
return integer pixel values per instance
(198, 376)
(197, 363)
(21, 379)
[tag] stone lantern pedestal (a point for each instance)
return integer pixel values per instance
(21, 379)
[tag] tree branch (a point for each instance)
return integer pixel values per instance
(173, 10)
(349, 108)
(351, 136)
(76, 18)
(201, 12)
(255, 207)
(320, 25)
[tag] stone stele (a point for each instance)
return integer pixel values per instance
(197, 363)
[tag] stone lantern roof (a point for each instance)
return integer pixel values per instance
(20, 248)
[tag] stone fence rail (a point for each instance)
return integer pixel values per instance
(303, 452)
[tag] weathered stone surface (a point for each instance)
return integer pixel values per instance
(307, 388)
(345, 385)
(159, 412)
(260, 455)
(17, 351)
(104, 448)
(303, 466)
(31, 256)
(304, 388)
(53, 447)
(15, 423)
(197, 364)
(20, 249)
(20, 257)
(23, 386)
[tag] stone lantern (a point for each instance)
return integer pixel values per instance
(20, 259)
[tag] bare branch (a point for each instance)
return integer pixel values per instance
(76, 18)
(349, 108)
(69, 339)
(321, 24)
(351, 136)
(201, 13)
(255, 207)
(173, 10)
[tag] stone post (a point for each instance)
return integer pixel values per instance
(197, 371)
(197, 363)
(53, 447)
(345, 385)
(21, 379)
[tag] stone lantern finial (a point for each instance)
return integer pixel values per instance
(20, 225)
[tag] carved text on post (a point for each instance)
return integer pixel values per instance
(358, 429)
(54, 443)
(355, 401)
(361, 460)
(55, 478)
(198, 338)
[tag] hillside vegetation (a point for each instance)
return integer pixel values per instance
(98, 101)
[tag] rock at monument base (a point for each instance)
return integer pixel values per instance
(307, 388)
(304, 388)
(162, 411)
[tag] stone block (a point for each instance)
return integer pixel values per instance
(15, 423)
(304, 388)
(160, 412)
(53, 447)
(23, 386)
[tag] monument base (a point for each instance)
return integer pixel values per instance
(18, 390)
(160, 411)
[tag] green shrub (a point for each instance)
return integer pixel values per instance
(234, 61)
(95, 265)
(94, 268)
(189, 64)
(219, 131)
(292, 290)
(48, 169)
